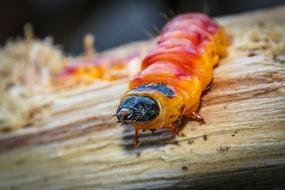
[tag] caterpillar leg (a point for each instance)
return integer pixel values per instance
(153, 131)
(197, 117)
(173, 129)
(209, 86)
(136, 141)
(194, 115)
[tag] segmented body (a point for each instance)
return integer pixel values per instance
(182, 61)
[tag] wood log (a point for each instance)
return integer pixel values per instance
(242, 146)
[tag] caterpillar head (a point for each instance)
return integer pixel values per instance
(137, 109)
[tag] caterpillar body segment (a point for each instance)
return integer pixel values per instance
(174, 74)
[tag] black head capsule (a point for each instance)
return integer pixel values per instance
(137, 109)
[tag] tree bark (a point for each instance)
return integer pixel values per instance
(242, 146)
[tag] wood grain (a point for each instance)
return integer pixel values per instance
(80, 146)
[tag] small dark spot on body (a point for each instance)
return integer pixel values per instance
(190, 141)
(184, 168)
(205, 137)
(183, 135)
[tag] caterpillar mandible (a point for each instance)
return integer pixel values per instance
(174, 74)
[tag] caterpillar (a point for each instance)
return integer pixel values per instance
(174, 74)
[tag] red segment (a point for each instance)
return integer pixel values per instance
(202, 20)
(194, 34)
(165, 69)
(182, 39)
(161, 72)
(178, 51)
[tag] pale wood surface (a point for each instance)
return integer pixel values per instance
(80, 146)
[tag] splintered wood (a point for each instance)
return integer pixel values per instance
(79, 145)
